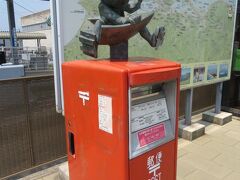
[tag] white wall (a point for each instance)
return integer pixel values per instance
(44, 42)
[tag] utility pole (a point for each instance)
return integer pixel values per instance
(12, 30)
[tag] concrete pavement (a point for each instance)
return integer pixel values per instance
(214, 156)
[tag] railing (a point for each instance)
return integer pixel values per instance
(31, 132)
(33, 58)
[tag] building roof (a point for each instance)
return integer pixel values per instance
(46, 11)
(23, 35)
(35, 18)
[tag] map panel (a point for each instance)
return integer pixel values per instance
(199, 34)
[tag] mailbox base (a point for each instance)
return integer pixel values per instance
(220, 119)
(192, 131)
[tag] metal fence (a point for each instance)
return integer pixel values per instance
(203, 99)
(33, 58)
(31, 132)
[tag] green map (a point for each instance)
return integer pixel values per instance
(199, 34)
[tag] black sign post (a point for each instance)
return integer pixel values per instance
(12, 30)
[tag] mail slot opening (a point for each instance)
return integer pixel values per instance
(71, 143)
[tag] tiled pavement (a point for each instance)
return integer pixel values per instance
(215, 156)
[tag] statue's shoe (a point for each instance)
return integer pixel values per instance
(98, 30)
(89, 44)
(159, 35)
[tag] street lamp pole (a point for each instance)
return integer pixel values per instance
(12, 30)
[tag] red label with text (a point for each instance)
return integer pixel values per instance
(152, 134)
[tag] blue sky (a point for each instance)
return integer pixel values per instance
(32, 5)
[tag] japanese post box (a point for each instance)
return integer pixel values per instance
(121, 119)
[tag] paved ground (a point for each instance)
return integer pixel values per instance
(48, 174)
(215, 156)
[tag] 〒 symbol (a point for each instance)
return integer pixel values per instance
(84, 96)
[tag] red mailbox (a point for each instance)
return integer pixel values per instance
(121, 119)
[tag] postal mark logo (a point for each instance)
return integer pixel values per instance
(84, 96)
(153, 165)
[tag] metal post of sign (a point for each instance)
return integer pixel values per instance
(56, 58)
(219, 87)
(188, 107)
(12, 30)
(238, 82)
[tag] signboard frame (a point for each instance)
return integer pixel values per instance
(57, 10)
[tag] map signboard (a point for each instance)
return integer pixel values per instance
(199, 35)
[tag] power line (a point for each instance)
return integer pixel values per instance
(29, 10)
(23, 7)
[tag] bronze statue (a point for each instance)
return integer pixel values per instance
(114, 28)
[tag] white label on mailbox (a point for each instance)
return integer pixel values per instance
(105, 113)
(148, 114)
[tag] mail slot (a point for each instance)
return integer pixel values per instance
(121, 119)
